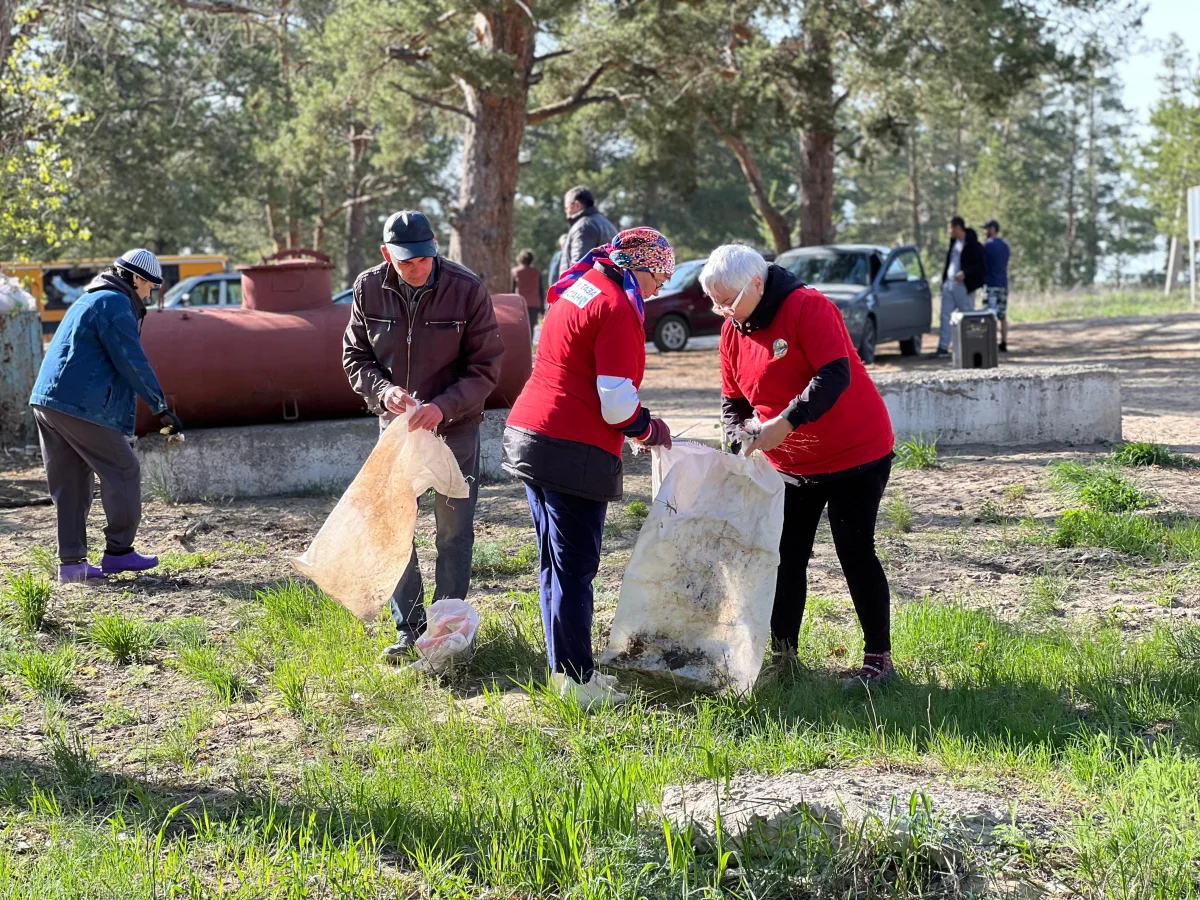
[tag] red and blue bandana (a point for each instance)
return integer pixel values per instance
(635, 249)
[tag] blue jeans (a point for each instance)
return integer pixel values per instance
(455, 540)
(954, 298)
(569, 530)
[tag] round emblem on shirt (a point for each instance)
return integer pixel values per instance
(779, 348)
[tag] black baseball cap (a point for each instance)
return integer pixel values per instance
(408, 234)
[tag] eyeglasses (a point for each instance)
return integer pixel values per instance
(723, 309)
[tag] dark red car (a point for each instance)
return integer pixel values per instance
(680, 310)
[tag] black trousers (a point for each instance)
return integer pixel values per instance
(853, 502)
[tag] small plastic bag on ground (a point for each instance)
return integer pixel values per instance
(697, 594)
(448, 637)
(366, 543)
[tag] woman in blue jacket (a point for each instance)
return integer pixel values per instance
(85, 403)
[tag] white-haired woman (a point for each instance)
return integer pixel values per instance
(85, 404)
(788, 362)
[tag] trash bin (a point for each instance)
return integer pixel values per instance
(973, 339)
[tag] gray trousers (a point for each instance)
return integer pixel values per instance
(954, 298)
(455, 540)
(73, 450)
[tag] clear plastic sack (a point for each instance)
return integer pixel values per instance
(366, 543)
(697, 594)
(449, 635)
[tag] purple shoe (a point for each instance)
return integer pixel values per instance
(127, 562)
(78, 573)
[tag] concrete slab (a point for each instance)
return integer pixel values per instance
(1002, 407)
(268, 460)
(1007, 407)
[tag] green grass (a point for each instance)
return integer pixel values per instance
(176, 563)
(124, 638)
(47, 674)
(637, 510)
(1137, 535)
(1046, 593)
(917, 453)
(26, 599)
(1099, 488)
(1057, 305)
(394, 785)
(899, 514)
(490, 560)
(209, 666)
(1015, 492)
(44, 561)
(1147, 453)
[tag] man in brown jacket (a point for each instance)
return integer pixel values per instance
(423, 337)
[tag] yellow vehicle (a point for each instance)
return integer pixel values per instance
(55, 285)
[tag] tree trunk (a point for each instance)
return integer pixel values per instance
(482, 224)
(775, 221)
(914, 186)
(1091, 225)
(354, 257)
(1068, 267)
(818, 111)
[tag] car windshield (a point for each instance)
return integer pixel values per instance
(171, 296)
(827, 267)
(684, 274)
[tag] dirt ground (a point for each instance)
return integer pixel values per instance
(1159, 361)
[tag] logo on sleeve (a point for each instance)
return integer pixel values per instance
(779, 348)
(581, 293)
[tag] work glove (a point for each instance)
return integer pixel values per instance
(171, 423)
(657, 435)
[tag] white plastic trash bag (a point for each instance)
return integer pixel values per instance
(449, 633)
(697, 594)
(366, 543)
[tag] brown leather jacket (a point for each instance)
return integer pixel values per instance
(448, 353)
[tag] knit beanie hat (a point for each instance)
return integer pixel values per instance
(141, 262)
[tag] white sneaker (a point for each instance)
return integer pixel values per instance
(601, 690)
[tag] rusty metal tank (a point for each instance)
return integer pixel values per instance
(278, 358)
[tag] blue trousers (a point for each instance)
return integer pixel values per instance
(569, 530)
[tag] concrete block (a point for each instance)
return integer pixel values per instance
(267, 460)
(20, 359)
(1008, 406)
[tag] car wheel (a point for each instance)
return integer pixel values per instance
(866, 347)
(671, 334)
(911, 346)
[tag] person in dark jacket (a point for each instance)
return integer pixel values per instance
(566, 430)
(995, 291)
(962, 275)
(85, 404)
(423, 342)
(527, 281)
(589, 229)
(794, 389)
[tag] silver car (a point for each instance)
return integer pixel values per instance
(883, 294)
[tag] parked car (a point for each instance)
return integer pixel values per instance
(883, 294)
(680, 310)
(215, 289)
(346, 296)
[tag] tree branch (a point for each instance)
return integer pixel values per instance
(226, 7)
(433, 101)
(579, 97)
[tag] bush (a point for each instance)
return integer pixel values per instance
(917, 453)
(637, 510)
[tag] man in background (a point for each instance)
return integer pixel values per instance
(423, 340)
(589, 229)
(995, 280)
(527, 281)
(962, 276)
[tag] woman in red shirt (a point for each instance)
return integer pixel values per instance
(566, 430)
(794, 388)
